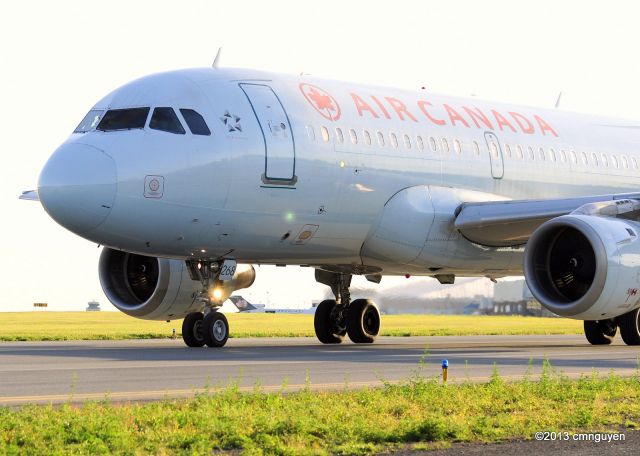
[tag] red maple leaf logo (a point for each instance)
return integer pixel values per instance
(321, 101)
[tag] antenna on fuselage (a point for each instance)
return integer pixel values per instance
(216, 61)
(558, 100)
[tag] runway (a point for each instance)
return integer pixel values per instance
(140, 370)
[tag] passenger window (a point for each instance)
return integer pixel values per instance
(541, 153)
(508, 149)
(457, 146)
(445, 145)
(532, 156)
(380, 139)
(605, 162)
(124, 119)
(476, 148)
(625, 162)
(325, 134)
(165, 119)
(585, 159)
(339, 135)
(394, 140)
(354, 137)
(311, 133)
(614, 161)
(420, 142)
(520, 154)
(634, 162)
(407, 142)
(195, 122)
(595, 159)
(563, 155)
(90, 121)
(552, 155)
(434, 144)
(367, 138)
(574, 157)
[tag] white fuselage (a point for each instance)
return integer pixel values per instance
(298, 170)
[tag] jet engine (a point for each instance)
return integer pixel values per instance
(156, 288)
(585, 267)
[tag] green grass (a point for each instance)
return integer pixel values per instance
(420, 413)
(16, 326)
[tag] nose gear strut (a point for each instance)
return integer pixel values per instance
(209, 327)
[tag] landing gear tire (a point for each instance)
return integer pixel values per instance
(215, 329)
(630, 327)
(192, 330)
(600, 332)
(326, 322)
(363, 321)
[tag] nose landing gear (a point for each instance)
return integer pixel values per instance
(210, 328)
(192, 329)
(335, 318)
(215, 329)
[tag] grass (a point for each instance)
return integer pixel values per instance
(420, 413)
(16, 326)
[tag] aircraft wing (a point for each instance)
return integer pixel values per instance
(30, 195)
(510, 223)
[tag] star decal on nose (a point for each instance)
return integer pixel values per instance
(321, 100)
(231, 121)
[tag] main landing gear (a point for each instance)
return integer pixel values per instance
(602, 332)
(335, 318)
(210, 327)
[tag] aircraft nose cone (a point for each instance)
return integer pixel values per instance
(77, 186)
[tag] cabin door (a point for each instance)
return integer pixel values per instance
(495, 155)
(279, 145)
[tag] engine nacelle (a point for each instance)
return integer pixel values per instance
(585, 267)
(156, 288)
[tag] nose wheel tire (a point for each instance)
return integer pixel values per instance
(192, 330)
(329, 322)
(600, 332)
(630, 327)
(363, 321)
(215, 329)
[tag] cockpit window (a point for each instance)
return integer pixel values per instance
(196, 122)
(124, 119)
(90, 121)
(165, 119)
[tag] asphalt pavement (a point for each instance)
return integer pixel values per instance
(140, 370)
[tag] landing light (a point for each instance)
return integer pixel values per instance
(217, 293)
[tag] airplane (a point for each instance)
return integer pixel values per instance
(242, 305)
(190, 177)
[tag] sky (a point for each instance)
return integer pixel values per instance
(59, 58)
